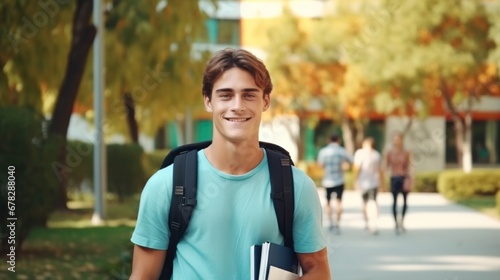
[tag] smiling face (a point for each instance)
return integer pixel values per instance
(236, 104)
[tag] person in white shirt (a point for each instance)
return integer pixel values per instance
(369, 177)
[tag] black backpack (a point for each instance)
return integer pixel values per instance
(185, 176)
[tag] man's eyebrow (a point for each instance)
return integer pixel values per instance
(250, 89)
(224, 90)
(232, 90)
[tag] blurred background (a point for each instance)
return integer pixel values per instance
(429, 69)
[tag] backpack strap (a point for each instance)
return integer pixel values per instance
(185, 179)
(280, 172)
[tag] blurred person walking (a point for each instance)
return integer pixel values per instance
(398, 162)
(332, 158)
(369, 176)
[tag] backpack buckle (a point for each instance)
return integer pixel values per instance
(189, 201)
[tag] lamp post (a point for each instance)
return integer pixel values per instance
(100, 170)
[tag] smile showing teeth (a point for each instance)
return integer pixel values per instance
(237, 120)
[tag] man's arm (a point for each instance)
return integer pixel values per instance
(382, 179)
(147, 263)
(355, 175)
(315, 265)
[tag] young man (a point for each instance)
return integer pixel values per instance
(369, 178)
(331, 158)
(234, 209)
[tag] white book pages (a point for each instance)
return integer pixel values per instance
(276, 273)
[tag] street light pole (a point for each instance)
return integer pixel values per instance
(100, 170)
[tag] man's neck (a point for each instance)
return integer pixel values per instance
(234, 158)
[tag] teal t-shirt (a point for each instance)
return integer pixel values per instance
(233, 213)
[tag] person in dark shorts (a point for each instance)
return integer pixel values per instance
(332, 158)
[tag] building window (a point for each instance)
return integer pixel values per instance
(228, 32)
(222, 31)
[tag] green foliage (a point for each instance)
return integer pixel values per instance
(71, 248)
(125, 169)
(91, 253)
(483, 203)
(126, 165)
(149, 55)
(426, 182)
(153, 161)
(83, 152)
(34, 35)
(29, 155)
(418, 43)
(498, 202)
(455, 184)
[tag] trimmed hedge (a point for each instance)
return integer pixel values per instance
(498, 202)
(32, 188)
(455, 184)
(125, 169)
(426, 182)
(125, 166)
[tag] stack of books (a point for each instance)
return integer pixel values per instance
(271, 261)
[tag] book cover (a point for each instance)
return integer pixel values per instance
(278, 256)
(255, 254)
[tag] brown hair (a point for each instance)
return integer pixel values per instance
(228, 58)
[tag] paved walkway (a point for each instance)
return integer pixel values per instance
(444, 241)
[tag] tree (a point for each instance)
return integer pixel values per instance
(33, 35)
(427, 47)
(306, 60)
(83, 33)
(152, 71)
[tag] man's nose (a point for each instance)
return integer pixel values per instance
(238, 104)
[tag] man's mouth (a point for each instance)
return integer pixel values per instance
(237, 119)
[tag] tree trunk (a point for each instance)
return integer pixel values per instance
(467, 143)
(180, 131)
(459, 139)
(160, 138)
(347, 136)
(189, 126)
(459, 124)
(408, 125)
(360, 134)
(131, 121)
(302, 135)
(83, 34)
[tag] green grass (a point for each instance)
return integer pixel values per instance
(484, 204)
(71, 248)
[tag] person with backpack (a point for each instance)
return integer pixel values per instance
(398, 162)
(331, 158)
(369, 177)
(234, 205)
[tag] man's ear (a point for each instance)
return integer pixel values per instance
(208, 104)
(267, 101)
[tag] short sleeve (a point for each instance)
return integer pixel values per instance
(321, 156)
(151, 230)
(307, 224)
